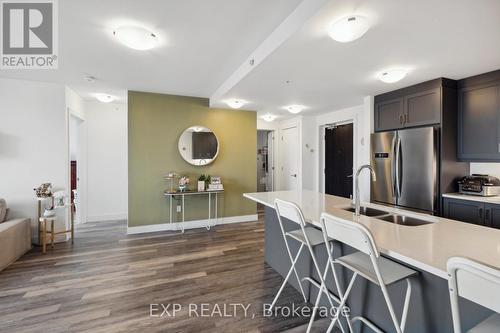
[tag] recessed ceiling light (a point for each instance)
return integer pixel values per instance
(295, 108)
(136, 38)
(349, 28)
(236, 103)
(104, 98)
(392, 75)
(268, 117)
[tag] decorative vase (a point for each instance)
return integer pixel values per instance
(182, 188)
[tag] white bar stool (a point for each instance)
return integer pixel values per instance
(478, 283)
(306, 236)
(367, 263)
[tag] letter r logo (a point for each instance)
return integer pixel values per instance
(27, 27)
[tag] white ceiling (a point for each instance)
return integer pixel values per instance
(445, 38)
(202, 42)
(205, 42)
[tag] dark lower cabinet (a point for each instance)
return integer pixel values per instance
(492, 215)
(463, 210)
(474, 212)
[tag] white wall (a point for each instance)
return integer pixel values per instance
(492, 169)
(309, 153)
(107, 175)
(33, 145)
(267, 125)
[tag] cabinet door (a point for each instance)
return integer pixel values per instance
(463, 210)
(423, 108)
(492, 215)
(389, 115)
(478, 123)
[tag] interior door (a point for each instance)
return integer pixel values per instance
(338, 160)
(289, 149)
(416, 170)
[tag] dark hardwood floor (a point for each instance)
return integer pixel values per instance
(107, 280)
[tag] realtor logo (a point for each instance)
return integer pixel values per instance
(29, 34)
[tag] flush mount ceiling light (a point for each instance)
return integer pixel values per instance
(104, 98)
(392, 75)
(136, 38)
(268, 117)
(349, 28)
(295, 108)
(235, 103)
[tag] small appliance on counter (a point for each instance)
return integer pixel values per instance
(482, 185)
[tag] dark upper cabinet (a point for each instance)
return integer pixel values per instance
(422, 108)
(418, 105)
(479, 122)
(492, 216)
(465, 211)
(389, 114)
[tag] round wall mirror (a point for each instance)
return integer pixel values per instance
(198, 145)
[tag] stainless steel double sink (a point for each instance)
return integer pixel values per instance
(389, 217)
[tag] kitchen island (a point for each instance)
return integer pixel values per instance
(425, 248)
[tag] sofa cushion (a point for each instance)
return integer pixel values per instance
(3, 210)
(15, 240)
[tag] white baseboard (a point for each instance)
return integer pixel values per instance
(189, 224)
(108, 217)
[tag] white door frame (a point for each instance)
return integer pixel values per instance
(322, 132)
(272, 161)
(82, 164)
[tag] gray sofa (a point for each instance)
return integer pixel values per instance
(15, 240)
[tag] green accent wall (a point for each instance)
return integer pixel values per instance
(155, 123)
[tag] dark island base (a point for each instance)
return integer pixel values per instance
(429, 310)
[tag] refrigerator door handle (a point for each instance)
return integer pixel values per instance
(393, 167)
(398, 171)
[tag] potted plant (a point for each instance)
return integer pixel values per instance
(203, 180)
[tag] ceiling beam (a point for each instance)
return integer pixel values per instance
(304, 11)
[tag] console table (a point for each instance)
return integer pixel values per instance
(182, 196)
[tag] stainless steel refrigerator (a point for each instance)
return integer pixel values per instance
(406, 165)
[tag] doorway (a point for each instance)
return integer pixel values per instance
(289, 159)
(76, 165)
(339, 160)
(265, 161)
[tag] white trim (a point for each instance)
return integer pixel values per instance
(107, 217)
(189, 224)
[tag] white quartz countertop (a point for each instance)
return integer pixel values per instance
(427, 247)
(493, 200)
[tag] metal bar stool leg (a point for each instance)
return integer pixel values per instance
(406, 305)
(324, 289)
(292, 268)
(293, 264)
(342, 302)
